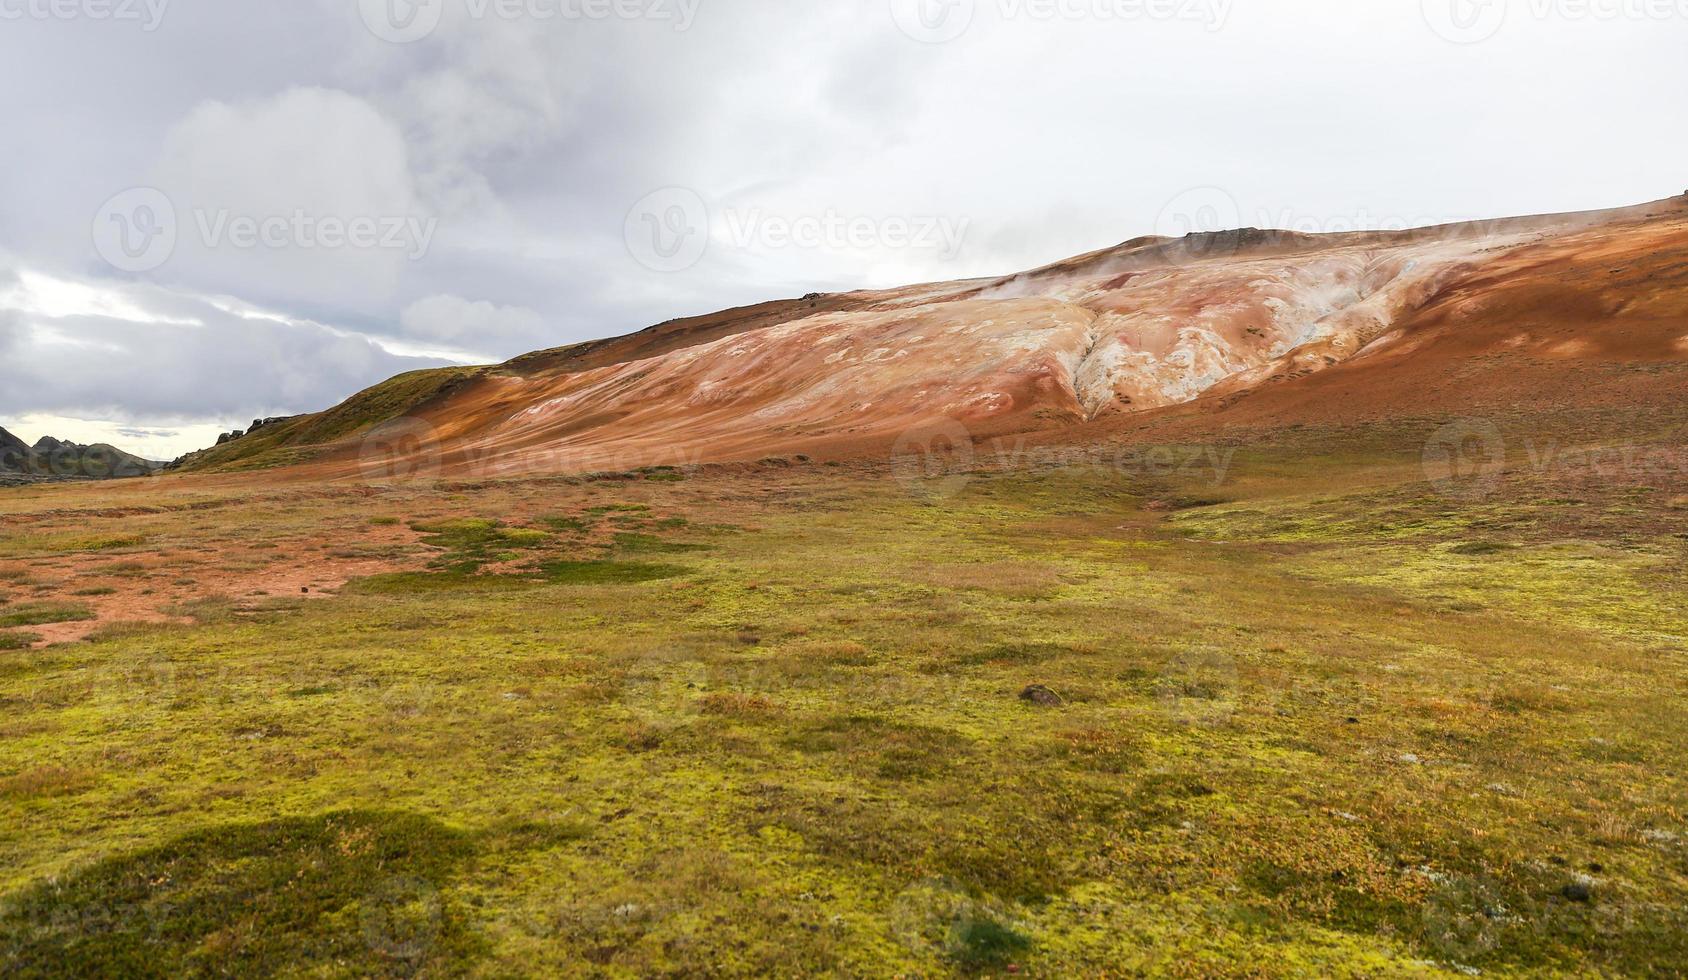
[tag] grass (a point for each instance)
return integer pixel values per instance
(66, 543)
(300, 440)
(607, 572)
(282, 896)
(46, 781)
(18, 641)
(649, 544)
(43, 613)
(469, 543)
(1331, 724)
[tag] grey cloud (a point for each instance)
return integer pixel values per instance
(11, 329)
(93, 367)
(530, 141)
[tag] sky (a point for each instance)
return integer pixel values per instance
(218, 210)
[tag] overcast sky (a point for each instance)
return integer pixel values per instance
(212, 210)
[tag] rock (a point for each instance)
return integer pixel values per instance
(1042, 696)
(1581, 890)
(56, 459)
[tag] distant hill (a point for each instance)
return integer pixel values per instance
(1206, 332)
(54, 459)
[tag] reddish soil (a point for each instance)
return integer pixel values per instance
(1173, 337)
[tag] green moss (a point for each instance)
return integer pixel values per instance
(414, 583)
(802, 752)
(468, 543)
(982, 943)
(1016, 654)
(649, 544)
(607, 572)
(43, 613)
(1479, 548)
(302, 439)
(281, 897)
(66, 543)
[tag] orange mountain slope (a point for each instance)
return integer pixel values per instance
(1238, 328)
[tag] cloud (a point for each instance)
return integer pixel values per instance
(299, 165)
(11, 329)
(475, 326)
(530, 140)
(202, 362)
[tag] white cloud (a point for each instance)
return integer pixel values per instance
(305, 158)
(532, 139)
(52, 297)
(472, 325)
(113, 356)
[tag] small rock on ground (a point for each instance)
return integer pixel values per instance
(1042, 696)
(1579, 891)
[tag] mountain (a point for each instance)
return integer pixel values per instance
(1228, 329)
(55, 459)
(12, 449)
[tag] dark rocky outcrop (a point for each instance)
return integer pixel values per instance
(238, 434)
(53, 459)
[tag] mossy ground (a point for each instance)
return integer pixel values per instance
(1320, 719)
